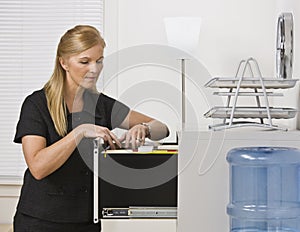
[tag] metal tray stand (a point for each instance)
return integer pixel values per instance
(258, 88)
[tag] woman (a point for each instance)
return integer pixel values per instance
(58, 120)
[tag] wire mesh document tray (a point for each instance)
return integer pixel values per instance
(269, 83)
(251, 112)
(254, 86)
(249, 94)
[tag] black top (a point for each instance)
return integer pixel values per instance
(66, 194)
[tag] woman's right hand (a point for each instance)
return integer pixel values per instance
(95, 131)
(43, 160)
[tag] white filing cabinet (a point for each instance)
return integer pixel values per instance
(203, 179)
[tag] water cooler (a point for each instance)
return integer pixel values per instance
(264, 189)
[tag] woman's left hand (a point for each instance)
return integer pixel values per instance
(135, 136)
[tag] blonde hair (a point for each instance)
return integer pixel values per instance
(73, 42)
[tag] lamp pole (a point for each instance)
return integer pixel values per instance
(183, 106)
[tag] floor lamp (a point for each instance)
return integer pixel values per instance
(183, 34)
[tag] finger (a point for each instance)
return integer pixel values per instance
(127, 139)
(134, 142)
(115, 139)
(139, 141)
(131, 139)
(141, 137)
(108, 137)
(142, 142)
(109, 140)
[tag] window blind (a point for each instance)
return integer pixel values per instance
(29, 34)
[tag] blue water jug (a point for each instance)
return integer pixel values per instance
(264, 189)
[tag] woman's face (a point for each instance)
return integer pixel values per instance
(83, 70)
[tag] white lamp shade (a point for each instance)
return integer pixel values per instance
(183, 32)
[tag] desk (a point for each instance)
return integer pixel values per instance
(133, 179)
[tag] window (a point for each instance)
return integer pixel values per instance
(29, 34)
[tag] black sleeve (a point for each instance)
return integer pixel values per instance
(30, 121)
(116, 111)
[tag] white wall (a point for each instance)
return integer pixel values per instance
(231, 30)
(9, 195)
